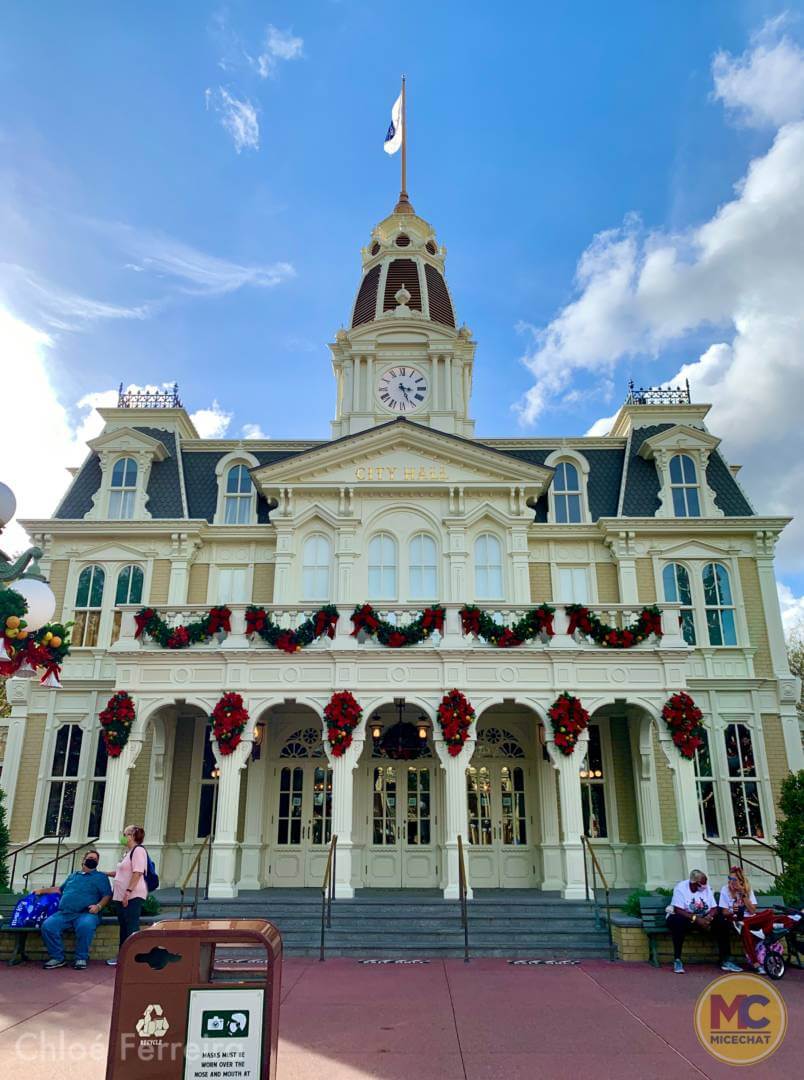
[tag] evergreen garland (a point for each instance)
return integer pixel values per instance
(534, 623)
(365, 620)
(258, 621)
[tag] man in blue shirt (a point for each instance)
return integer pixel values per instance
(84, 895)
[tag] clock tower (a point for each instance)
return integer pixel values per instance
(403, 354)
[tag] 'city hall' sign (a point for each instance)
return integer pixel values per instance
(401, 472)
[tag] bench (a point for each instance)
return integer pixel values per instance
(105, 944)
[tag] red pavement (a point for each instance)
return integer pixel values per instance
(438, 1021)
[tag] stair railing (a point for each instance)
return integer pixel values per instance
(755, 840)
(738, 856)
(54, 862)
(463, 890)
(597, 870)
(22, 847)
(195, 868)
(328, 893)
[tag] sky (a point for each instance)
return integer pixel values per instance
(185, 189)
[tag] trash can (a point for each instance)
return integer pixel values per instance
(181, 1014)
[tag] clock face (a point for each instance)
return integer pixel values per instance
(402, 389)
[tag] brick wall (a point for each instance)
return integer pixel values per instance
(199, 580)
(608, 587)
(160, 582)
(667, 798)
(755, 617)
(58, 583)
(776, 754)
(541, 588)
(138, 784)
(180, 780)
(263, 592)
(646, 586)
(22, 815)
(624, 781)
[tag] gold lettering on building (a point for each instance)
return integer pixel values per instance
(406, 473)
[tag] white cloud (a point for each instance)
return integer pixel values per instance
(279, 45)
(237, 116)
(764, 86)
(211, 423)
(61, 309)
(792, 609)
(252, 431)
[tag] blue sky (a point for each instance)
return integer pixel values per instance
(184, 190)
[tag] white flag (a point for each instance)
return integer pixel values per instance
(393, 139)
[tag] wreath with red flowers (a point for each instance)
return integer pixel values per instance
(150, 622)
(116, 720)
(649, 621)
(368, 623)
(538, 622)
(569, 718)
(455, 715)
(684, 719)
(342, 714)
(46, 648)
(323, 622)
(229, 719)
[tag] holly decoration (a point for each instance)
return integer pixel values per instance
(322, 623)
(342, 714)
(44, 649)
(649, 621)
(455, 715)
(366, 621)
(229, 719)
(569, 718)
(150, 622)
(538, 622)
(116, 721)
(683, 718)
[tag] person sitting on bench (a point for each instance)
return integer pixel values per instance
(739, 903)
(84, 895)
(693, 907)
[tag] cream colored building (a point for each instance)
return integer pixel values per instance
(404, 507)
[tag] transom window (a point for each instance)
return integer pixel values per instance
(567, 493)
(494, 742)
(238, 497)
(382, 567)
(88, 603)
(63, 781)
(304, 743)
(676, 582)
(123, 489)
(743, 783)
(719, 605)
(316, 561)
(684, 486)
(488, 568)
(423, 568)
(705, 784)
(129, 591)
(593, 790)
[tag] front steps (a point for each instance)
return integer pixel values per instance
(419, 924)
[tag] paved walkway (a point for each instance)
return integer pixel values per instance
(439, 1021)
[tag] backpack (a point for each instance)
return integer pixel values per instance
(31, 911)
(150, 877)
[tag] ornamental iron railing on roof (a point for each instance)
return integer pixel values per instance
(658, 395)
(149, 399)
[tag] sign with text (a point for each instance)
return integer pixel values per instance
(224, 1034)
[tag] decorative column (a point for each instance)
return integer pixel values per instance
(343, 785)
(183, 551)
(569, 786)
(454, 812)
(118, 771)
(647, 799)
(156, 810)
(552, 860)
(251, 849)
(623, 547)
(223, 883)
(692, 845)
(19, 696)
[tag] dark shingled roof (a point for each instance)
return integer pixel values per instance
(727, 491)
(78, 500)
(164, 494)
(201, 483)
(605, 471)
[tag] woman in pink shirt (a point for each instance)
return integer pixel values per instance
(128, 885)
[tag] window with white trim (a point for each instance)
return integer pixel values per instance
(423, 568)
(719, 605)
(592, 775)
(488, 568)
(676, 583)
(232, 585)
(382, 567)
(98, 782)
(684, 486)
(123, 489)
(573, 584)
(63, 782)
(743, 782)
(208, 792)
(567, 494)
(130, 582)
(705, 786)
(316, 563)
(88, 604)
(239, 496)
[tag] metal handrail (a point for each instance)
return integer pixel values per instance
(740, 858)
(462, 889)
(195, 868)
(597, 869)
(54, 862)
(328, 893)
(22, 847)
(755, 840)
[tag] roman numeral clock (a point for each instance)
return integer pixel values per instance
(402, 389)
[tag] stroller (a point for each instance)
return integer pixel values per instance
(770, 949)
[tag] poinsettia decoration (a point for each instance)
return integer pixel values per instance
(22, 650)
(116, 721)
(366, 621)
(538, 622)
(229, 719)
(569, 718)
(649, 621)
(259, 622)
(684, 719)
(455, 716)
(150, 622)
(342, 714)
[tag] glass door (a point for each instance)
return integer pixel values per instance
(419, 851)
(303, 824)
(318, 830)
(401, 850)
(498, 826)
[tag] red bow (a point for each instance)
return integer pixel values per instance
(470, 621)
(219, 619)
(256, 620)
(142, 618)
(433, 619)
(325, 622)
(364, 618)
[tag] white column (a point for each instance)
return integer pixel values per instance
(569, 786)
(253, 832)
(692, 846)
(118, 772)
(552, 862)
(343, 786)
(19, 695)
(156, 809)
(223, 883)
(454, 813)
(647, 800)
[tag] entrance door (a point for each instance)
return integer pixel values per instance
(401, 848)
(498, 825)
(302, 823)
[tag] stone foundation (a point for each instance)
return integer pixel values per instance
(632, 946)
(105, 944)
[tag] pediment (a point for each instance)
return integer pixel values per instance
(678, 437)
(127, 438)
(696, 549)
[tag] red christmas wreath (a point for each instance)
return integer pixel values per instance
(229, 719)
(116, 720)
(683, 718)
(342, 715)
(455, 714)
(569, 718)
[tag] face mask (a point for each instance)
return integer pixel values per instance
(90, 863)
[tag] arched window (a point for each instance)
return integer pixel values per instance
(423, 568)
(676, 582)
(567, 494)
(743, 781)
(382, 567)
(63, 786)
(88, 603)
(238, 497)
(488, 568)
(123, 489)
(129, 591)
(316, 561)
(719, 605)
(684, 486)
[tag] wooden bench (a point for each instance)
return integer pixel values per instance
(104, 944)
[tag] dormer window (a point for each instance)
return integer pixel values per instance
(239, 493)
(123, 489)
(684, 486)
(567, 494)
(126, 457)
(681, 455)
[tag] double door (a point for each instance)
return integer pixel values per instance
(499, 825)
(301, 823)
(402, 821)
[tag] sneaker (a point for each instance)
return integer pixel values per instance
(759, 934)
(80, 965)
(678, 967)
(729, 965)
(112, 962)
(51, 964)
(760, 970)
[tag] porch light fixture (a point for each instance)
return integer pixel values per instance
(256, 740)
(376, 728)
(215, 774)
(422, 730)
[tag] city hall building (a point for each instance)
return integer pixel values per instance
(404, 507)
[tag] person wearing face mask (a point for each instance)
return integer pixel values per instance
(83, 896)
(693, 907)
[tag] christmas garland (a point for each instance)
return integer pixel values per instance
(258, 621)
(342, 714)
(569, 718)
(367, 621)
(116, 720)
(649, 621)
(229, 719)
(455, 715)
(683, 718)
(535, 623)
(46, 648)
(150, 622)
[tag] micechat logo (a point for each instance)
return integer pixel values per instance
(741, 1019)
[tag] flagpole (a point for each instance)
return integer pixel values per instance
(404, 193)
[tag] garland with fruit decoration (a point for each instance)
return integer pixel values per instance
(649, 621)
(342, 714)
(116, 722)
(322, 623)
(455, 716)
(150, 622)
(569, 718)
(538, 622)
(20, 648)
(366, 621)
(229, 719)
(684, 719)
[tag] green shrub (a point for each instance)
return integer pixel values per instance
(631, 905)
(789, 832)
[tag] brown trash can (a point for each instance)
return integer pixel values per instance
(178, 1016)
